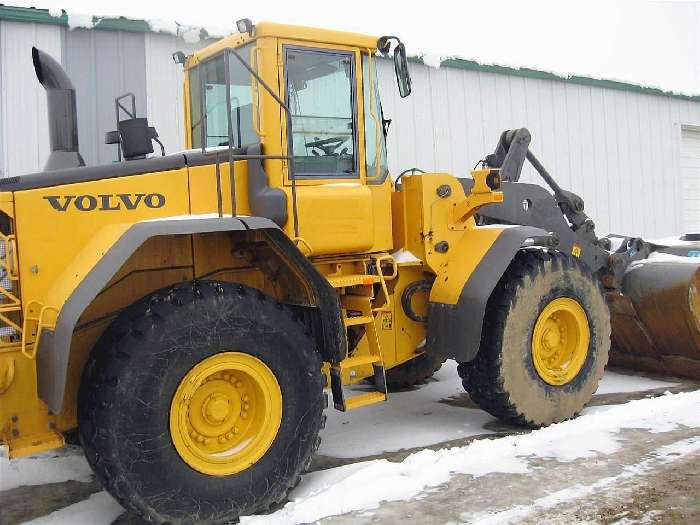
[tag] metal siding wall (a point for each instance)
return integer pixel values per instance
(690, 179)
(620, 150)
(2, 106)
(22, 100)
(164, 81)
(104, 65)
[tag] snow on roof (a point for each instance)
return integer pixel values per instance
(193, 34)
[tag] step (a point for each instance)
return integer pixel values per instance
(360, 360)
(343, 403)
(354, 321)
(344, 281)
(362, 400)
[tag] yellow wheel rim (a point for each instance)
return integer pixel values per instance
(560, 341)
(225, 413)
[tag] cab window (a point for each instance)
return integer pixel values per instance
(211, 77)
(320, 96)
(375, 136)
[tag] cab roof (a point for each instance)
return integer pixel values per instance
(292, 32)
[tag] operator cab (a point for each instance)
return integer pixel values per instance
(308, 102)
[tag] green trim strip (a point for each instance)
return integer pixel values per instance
(42, 16)
(471, 65)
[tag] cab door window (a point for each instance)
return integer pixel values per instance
(320, 96)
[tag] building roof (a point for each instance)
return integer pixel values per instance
(44, 16)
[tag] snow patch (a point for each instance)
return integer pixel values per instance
(662, 455)
(432, 414)
(56, 12)
(410, 419)
(98, 508)
(363, 486)
(81, 21)
(50, 467)
(672, 241)
(159, 25)
(191, 35)
(659, 257)
(405, 256)
(669, 257)
(431, 60)
(614, 383)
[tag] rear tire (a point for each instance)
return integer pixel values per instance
(504, 378)
(137, 366)
(413, 372)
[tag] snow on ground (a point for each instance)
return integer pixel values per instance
(665, 454)
(50, 467)
(394, 425)
(98, 508)
(413, 418)
(365, 485)
(615, 383)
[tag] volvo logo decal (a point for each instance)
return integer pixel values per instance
(108, 202)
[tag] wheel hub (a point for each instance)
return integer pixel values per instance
(225, 413)
(560, 341)
(216, 408)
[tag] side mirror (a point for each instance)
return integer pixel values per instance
(403, 77)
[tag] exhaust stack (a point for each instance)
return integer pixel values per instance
(63, 116)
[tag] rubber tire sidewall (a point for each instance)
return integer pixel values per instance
(149, 474)
(538, 401)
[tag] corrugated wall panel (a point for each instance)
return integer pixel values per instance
(103, 66)
(24, 125)
(2, 107)
(620, 150)
(164, 80)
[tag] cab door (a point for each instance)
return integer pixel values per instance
(321, 89)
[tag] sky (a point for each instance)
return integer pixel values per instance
(646, 42)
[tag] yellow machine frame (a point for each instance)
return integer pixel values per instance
(57, 241)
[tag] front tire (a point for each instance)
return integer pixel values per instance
(253, 377)
(545, 341)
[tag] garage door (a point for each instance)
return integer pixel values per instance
(690, 176)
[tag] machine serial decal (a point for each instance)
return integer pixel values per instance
(109, 202)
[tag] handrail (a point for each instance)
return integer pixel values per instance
(40, 327)
(378, 259)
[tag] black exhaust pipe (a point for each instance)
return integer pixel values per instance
(63, 116)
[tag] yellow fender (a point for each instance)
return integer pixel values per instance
(464, 284)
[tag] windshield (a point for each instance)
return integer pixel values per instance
(211, 75)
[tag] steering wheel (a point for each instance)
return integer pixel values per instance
(327, 146)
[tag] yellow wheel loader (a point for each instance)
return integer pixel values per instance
(186, 312)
